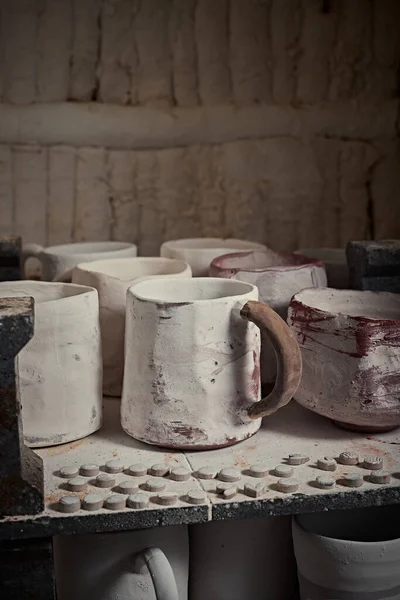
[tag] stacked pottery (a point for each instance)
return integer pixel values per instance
(60, 369)
(278, 277)
(111, 279)
(151, 564)
(55, 260)
(192, 350)
(335, 263)
(200, 252)
(350, 346)
(349, 555)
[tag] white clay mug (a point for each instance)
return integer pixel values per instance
(60, 368)
(55, 260)
(192, 370)
(200, 252)
(150, 564)
(348, 555)
(112, 278)
(278, 277)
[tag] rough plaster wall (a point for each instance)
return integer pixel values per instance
(274, 120)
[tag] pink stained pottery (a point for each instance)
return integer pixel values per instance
(350, 346)
(278, 277)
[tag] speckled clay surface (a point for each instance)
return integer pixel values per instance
(350, 344)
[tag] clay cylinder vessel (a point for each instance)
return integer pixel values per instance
(335, 263)
(278, 277)
(243, 560)
(60, 369)
(151, 564)
(192, 371)
(55, 260)
(112, 278)
(349, 555)
(200, 252)
(350, 345)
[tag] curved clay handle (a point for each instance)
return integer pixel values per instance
(31, 251)
(162, 575)
(288, 357)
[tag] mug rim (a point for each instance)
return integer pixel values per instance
(307, 262)
(190, 283)
(89, 266)
(210, 243)
(304, 299)
(83, 248)
(81, 289)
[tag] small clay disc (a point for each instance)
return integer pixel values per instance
(137, 470)
(68, 472)
(159, 470)
(380, 476)
(155, 485)
(180, 474)
(348, 458)
(229, 474)
(196, 497)
(77, 484)
(325, 481)
(254, 490)
(115, 502)
(114, 466)
(89, 470)
(297, 459)
(258, 471)
(104, 480)
(69, 504)
(230, 492)
(283, 471)
(138, 501)
(353, 480)
(326, 464)
(92, 502)
(128, 487)
(373, 463)
(287, 485)
(167, 498)
(206, 473)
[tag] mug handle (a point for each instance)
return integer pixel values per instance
(161, 573)
(65, 277)
(31, 251)
(288, 357)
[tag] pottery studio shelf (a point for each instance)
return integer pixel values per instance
(292, 430)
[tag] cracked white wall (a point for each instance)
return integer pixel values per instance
(143, 120)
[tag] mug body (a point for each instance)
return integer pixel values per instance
(335, 263)
(191, 363)
(112, 278)
(250, 558)
(349, 341)
(58, 259)
(103, 566)
(60, 369)
(200, 252)
(278, 277)
(348, 555)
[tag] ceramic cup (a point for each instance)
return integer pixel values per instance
(55, 260)
(192, 376)
(200, 252)
(335, 263)
(151, 564)
(278, 277)
(242, 560)
(112, 278)
(349, 342)
(349, 555)
(60, 369)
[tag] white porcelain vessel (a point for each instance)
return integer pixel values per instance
(112, 278)
(192, 372)
(249, 559)
(278, 277)
(335, 263)
(200, 252)
(60, 369)
(55, 260)
(349, 555)
(150, 564)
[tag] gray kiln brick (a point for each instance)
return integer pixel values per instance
(374, 265)
(10, 259)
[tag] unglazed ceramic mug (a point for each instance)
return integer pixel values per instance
(200, 252)
(112, 278)
(348, 554)
(60, 369)
(192, 372)
(55, 260)
(335, 263)
(278, 277)
(151, 564)
(350, 345)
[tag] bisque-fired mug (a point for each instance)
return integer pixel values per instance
(60, 368)
(335, 263)
(55, 260)
(200, 252)
(278, 277)
(192, 370)
(112, 278)
(350, 344)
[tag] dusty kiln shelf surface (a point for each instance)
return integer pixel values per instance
(291, 430)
